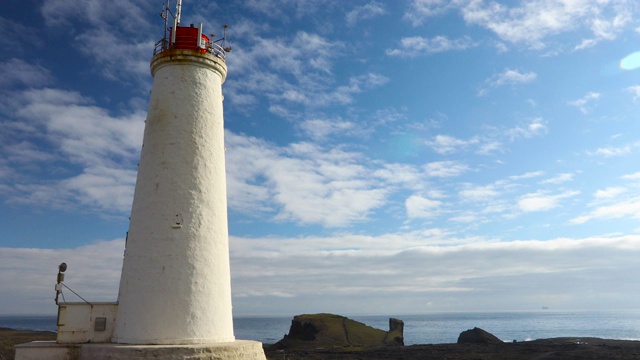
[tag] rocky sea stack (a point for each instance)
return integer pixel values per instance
(478, 336)
(313, 331)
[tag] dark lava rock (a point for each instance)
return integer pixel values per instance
(313, 331)
(477, 336)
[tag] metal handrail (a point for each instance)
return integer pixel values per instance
(212, 48)
(161, 46)
(217, 50)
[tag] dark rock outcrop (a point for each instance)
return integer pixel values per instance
(396, 331)
(478, 336)
(311, 331)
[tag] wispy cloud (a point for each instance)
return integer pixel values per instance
(634, 176)
(606, 29)
(302, 182)
(445, 144)
(478, 192)
(97, 151)
(507, 77)
(612, 151)
(528, 175)
(560, 179)
(635, 91)
(610, 192)
(423, 9)
(320, 129)
(535, 127)
(584, 103)
(117, 40)
(421, 207)
(19, 72)
(95, 278)
(418, 45)
(445, 169)
(543, 201)
(364, 12)
(629, 207)
(535, 23)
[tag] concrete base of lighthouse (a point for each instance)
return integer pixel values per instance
(50, 350)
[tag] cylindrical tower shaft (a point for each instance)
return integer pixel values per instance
(175, 286)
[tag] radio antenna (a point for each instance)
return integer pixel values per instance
(178, 11)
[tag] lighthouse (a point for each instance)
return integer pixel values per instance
(175, 286)
(174, 299)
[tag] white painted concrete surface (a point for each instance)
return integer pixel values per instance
(46, 350)
(175, 286)
(77, 322)
(241, 350)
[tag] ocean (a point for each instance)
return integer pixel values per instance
(434, 328)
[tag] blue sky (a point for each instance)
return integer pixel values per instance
(383, 157)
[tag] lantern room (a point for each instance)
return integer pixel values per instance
(189, 37)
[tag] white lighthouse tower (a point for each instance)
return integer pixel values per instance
(174, 299)
(175, 286)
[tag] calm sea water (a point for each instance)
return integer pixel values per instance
(433, 328)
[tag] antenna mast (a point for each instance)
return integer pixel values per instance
(178, 10)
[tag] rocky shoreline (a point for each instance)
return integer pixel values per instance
(546, 349)
(569, 348)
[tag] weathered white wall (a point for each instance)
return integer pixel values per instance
(76, 322)
(175, 286)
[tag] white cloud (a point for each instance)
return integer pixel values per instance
(542, 201)
(536, 127)
(418, 45)
(635, 91)
(302, 79)
(478, 193)
(421, 207)
(421, 9)
(606, 28)
(302, 182)
(612, 151)
(93, 272)
(634, 176)
(584, 103)
(507, 77)
(490, 147)
(561, 178)
(629, 207)
(528, 175)
(117, 40)
(445, 169)
(97, 151)
(445, 144)
(17, 71)
(364, 12)
(533, 22)
(404, 175)
(273, 274)
(610, 192)
(116, 57)
(320, 129)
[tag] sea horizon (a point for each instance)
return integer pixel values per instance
(431, 328)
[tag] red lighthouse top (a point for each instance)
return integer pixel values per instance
(189, 37)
